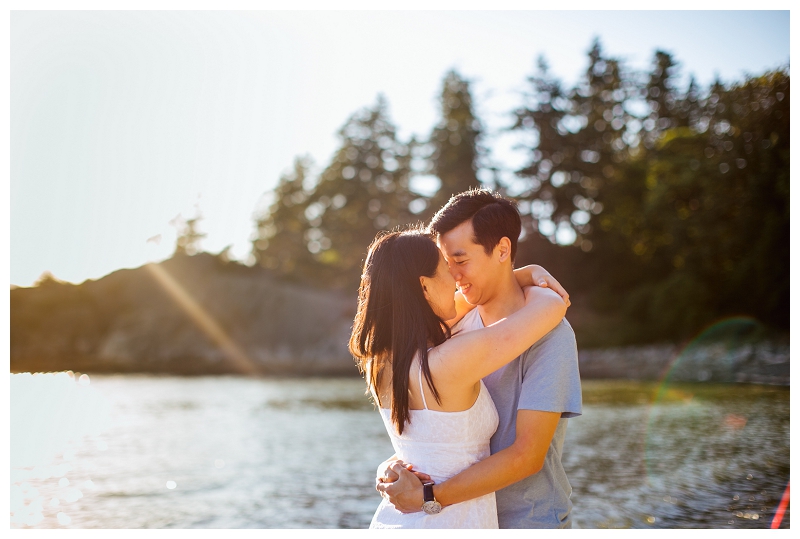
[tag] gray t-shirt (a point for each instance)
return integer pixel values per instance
(545, 377)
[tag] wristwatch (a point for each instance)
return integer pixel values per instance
(429, 503)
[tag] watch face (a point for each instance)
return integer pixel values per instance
(432, 507)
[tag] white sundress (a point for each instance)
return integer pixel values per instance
(442, 444)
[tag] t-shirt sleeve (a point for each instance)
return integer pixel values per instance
(550, 377)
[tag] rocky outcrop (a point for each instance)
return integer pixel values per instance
(758, 363)
(202, 315)
(186, 315)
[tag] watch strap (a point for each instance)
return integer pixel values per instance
(427, 492)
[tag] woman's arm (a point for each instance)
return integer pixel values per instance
(467, 358)
(533, 275)
(530, 275)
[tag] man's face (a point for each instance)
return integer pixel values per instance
(475, 272)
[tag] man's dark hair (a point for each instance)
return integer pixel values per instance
(493, 217)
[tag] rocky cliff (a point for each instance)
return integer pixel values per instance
(764, 362)
(186, 315)
(202, 315)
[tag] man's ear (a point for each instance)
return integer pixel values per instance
(503, 249)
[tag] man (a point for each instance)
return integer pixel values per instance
(534, 394)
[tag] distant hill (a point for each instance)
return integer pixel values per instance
(199, 314)
(187, 315)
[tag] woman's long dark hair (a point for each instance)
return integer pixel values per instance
(394, 321)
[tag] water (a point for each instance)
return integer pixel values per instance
(685, 455)
(228, 452)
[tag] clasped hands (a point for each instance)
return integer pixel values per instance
(401, 485)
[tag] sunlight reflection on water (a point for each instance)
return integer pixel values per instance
(231, 452)
(53, 416)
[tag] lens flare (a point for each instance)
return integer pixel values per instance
(697, 389)
(781, 511)
(203, 320)
(722, 339)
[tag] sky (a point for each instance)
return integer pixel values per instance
(120, 121)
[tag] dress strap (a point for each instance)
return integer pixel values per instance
(421, 390)
(375, 397)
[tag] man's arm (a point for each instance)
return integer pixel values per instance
(525, 457)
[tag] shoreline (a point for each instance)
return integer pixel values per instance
(760, 363)
(765, 363)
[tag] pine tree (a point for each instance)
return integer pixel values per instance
(579, 141)
(280, 242)
(455, 142)
(189, 236)
(671, 194)
(716, 209)
(365, 189)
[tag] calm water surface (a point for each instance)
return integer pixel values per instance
(229, 452)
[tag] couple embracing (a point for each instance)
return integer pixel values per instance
(475, 387)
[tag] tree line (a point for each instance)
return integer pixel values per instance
(662, 208)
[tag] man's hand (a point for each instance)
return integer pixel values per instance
(403, 487)
(534, 275)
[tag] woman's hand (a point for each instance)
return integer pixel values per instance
(387, 475)
(534, 275)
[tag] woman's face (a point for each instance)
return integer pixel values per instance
(440, 291)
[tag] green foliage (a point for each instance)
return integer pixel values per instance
(578, 142)
(316, 231)
(189, 236)
(455, 142)
(661, 209)
(280, 239)
(716, 207)
(679, 200)
(320, 235)
(364, 189)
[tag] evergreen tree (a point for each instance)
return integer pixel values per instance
(716, 210)
(189, 237)
(679, 201)
(280, 242)
(579, 140)
(542, 120)
(455, 142)
(365, 189)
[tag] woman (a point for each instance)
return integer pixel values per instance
(401, 341)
